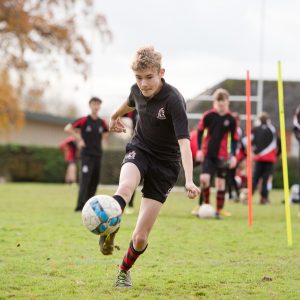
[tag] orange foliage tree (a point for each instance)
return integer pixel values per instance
(35, 34)
(11, 117)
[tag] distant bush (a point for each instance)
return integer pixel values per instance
(31, 163)
(293, 170)
(46, 164)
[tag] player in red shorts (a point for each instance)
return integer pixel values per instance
(69, 147)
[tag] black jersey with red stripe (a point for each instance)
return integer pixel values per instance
(296, 123)
(91, 132)
(265, 143)
(219, 132)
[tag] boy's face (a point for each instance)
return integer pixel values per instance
(95, 107)
(222, 106)
(149, 81)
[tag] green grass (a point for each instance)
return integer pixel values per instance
(46, 253)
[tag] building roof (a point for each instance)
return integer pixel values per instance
(47, 118)
(270, 98)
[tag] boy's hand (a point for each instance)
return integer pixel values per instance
(116, 125)
(192, 190)
(199, 156)
(232, 162)
(81, 144)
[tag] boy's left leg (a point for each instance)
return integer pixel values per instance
(148, 213)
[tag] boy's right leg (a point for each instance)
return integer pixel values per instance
(256, 176)
(130, 178)
(205, 188)
(267, 172)
(208, 171)
(204, 194)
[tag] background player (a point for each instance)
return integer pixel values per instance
(88, 132)
(266, 148)
(217, 129)
(69, 148)
(296, 129)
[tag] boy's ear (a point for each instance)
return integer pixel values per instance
(162, 72)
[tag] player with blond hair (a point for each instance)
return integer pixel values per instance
(159, 144)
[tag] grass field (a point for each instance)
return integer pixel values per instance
(46, 253)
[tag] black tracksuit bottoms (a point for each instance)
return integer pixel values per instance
(89, 179)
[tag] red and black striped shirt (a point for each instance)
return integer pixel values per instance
(217, 134)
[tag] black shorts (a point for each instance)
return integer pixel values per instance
(159, 176)
(214, 165)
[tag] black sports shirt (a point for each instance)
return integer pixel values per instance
(91, 132)
(161, 123)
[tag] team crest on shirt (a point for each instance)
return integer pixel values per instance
(85, 169)
(130, 155)
(161, 114)
(88, 128)
(100, 129)
(226, 122)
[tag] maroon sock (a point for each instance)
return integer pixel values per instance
(130, 257)
(200, 198)
(206, 192)
(220, 200)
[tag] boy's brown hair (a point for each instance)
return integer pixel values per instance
(146, 58)
(221, 94)
(264, 117)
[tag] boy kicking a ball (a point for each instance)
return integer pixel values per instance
(159, 143)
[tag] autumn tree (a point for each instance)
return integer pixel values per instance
(11, 117)
(35, 36)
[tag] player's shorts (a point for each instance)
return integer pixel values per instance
(158, 176)
(214, 166)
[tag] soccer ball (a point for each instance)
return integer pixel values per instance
(295, 193)
(102, 215)
(206, 211)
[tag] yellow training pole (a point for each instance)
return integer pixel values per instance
(284, 158)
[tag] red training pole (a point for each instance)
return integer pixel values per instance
(249, 148)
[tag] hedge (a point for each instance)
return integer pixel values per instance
(46, 164)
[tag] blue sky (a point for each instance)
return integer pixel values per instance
(202, 43)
